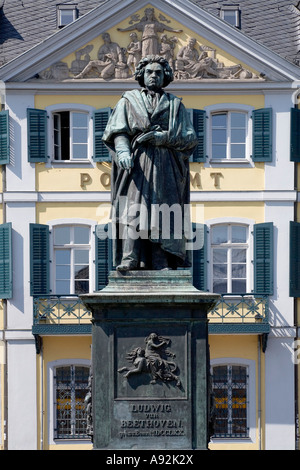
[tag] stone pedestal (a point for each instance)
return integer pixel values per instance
(150, 362)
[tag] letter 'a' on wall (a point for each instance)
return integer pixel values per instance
(39, 260)
(5, 261)
(294, 259)
(101, 152)
(4, 137)
(37, 135)
(263, 258)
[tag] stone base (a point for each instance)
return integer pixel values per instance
(150, 362)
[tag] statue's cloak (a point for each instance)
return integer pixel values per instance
(160, 175)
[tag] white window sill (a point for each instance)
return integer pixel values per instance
(227, 161)
(68, 163)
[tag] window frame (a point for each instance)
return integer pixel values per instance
(91, 224)
(249, 224)
(230, 108)
(232, 8)
(66, 7)
(229, 246)
(54, 110)
(252, 399)
(51, 402)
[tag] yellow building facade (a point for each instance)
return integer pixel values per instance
(53, 199)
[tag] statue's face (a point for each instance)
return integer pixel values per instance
(154, 76)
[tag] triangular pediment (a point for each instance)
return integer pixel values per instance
(106, 44)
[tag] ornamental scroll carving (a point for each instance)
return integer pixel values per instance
(148, 35)
(154, 359)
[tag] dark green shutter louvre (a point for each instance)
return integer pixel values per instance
(39, 260)
(262, 135)
(101, 152)
(4, 137)
(263, 258)
(103, 254)
(199, 123)
(37, 135)
(295, 135)
(294, 259)
(200, 257)
(5, 261)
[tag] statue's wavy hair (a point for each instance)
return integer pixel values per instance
(153, 59)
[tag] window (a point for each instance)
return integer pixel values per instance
(70, 135)
(229, 246)
(66, 14)
(72, 259)
(228, 136)
(70, 388)
(230, 390)
(231, 14)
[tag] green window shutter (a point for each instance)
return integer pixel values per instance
(294, 259)
(295, 135)
(4, 137)
(5, 261)
(199, 269)
(39, 260)
(37, 135)
(103, 254)
(263, 258)
(101, 152)
(199, 123)
(262, 135)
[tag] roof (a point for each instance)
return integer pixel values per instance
(45, 49)
(273, 23)
(25, 23)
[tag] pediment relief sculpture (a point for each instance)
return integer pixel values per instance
(148, 36)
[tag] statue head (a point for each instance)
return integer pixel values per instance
(154, 59)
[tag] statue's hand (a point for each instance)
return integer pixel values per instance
(125, 161)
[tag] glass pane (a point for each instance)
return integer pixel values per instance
(81, 256)
(79, 120)
(219, 234)
(63, 272)
(219, 120)
(238, 136)
(219, 136)
(62, 235)
(220, 256)
(239, 271)
(81, 287)
(239, 374)
(230, 17)
(81, 272)
(79, 151)
(219, 151)
(62, 287)
(220, 286)
(239, 234)
(239, 286)
(220, 271)
(82, 235)
(238, 256)
(80, 136)
(66, 17)
(63, 256)
(238, 120)
(238, 151)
